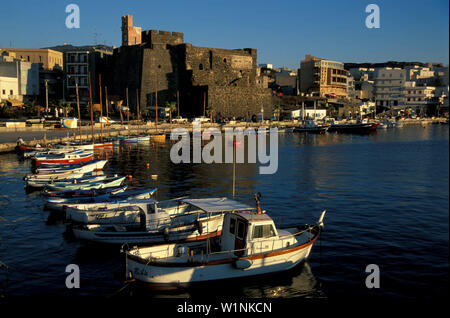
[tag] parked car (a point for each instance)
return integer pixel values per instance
(179, 120)
(201, 119)
(35, 120)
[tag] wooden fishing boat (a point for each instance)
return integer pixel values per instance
(311, 126)
(124, 212)
(83, 167)
(129, 140)
(83, 193)
(25, 148)
(143, 138)
(60, 203)
(63, 158)
(54, 176)
(111, 182)
(155, 227)
(39, 183)
(250, 245)
(158, 138)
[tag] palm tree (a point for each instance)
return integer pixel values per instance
(278, 108)
(172, 107)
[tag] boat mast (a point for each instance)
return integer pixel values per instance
(138, 111)
(128, 115)
(101, 106)
(92, 112)
(78, 107)
(107, 106)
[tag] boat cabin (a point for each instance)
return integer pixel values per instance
(252, 233)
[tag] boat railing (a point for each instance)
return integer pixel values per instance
(205, 255)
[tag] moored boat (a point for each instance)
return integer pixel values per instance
(156, 227)
(311, 126)
(61, 203)
(357, 128)
(110, 182)
(63, 158)
(83, 167)
(42, 183)
(250, 245)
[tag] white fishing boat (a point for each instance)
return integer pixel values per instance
(110, 182)
(77, 168)
(60, 204)
(142, 138)
(155, 227)
(42, 183)
(250, 245)
(124, 212)
(54, 176)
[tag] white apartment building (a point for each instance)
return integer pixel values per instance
(18, 79)
(419, 96)
(389, 86)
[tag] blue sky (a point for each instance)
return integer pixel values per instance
(282, 31)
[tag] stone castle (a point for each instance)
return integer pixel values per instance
(158, 64)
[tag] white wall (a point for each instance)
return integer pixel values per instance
(8, 84)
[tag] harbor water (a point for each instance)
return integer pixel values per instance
(386, 196)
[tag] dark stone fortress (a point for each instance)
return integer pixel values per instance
(226, 81)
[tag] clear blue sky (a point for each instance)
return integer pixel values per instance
(282, 31)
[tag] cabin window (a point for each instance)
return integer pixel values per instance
(263, 231)
(232, 226)
(150, 209)
(240, 230)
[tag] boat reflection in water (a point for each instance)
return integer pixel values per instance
(297, 282)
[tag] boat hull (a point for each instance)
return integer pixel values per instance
(167, 277)
(351, 128)
(211, 228)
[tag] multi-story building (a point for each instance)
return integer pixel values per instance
(417, 97)
(79, 62)
(19, 80)
(389, 86)
(287, 81)
(322, 77)
(48, 59)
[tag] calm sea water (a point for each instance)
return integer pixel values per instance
(386, 196)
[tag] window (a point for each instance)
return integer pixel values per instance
(232, 226)
(11, 92)
(263, 231)
(240, 230)
(200, 67)
(4, 92)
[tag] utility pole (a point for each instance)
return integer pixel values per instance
(46, 97)
(156, 101)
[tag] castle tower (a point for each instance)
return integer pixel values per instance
(131, 35)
